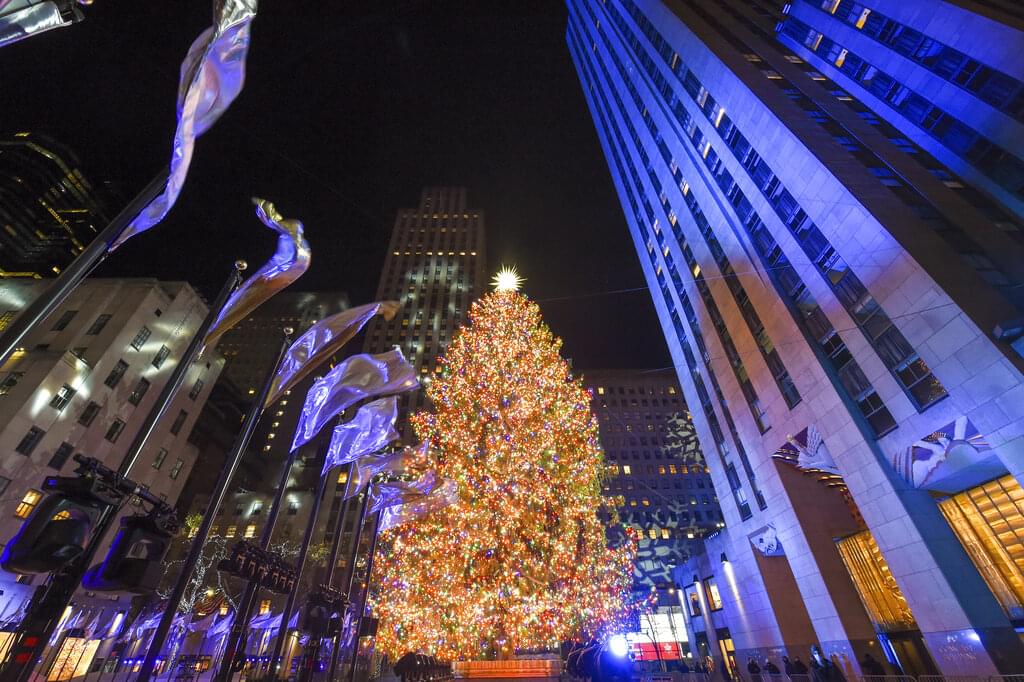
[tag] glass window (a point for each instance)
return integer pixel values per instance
(62, 397)
(64, 320)
(197, 388)
(139, 392)
(179, 421)
(29, 441)
(98, 325)
(714, 598)
(60, 456)
(114, 378)
(114, 431)
(160, 457)
(10, 381)
(161, 355)
(176, 469)
(141, 338)
(28, 503)
(89, 413)
(250, 530)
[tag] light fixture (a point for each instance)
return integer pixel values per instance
(724, 558)
(618, 645)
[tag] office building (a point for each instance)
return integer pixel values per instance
(659, 484)
(843, 319)
(435, 266)
(83, 383)
(49, 210)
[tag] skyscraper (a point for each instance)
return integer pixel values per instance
(657, 480)
(435, 267)
(49, 211)
(842, 312)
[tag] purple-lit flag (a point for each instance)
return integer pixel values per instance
(322, 340)
(287, 264)
(447, 493)
(384, 494)
(371, 429)
(356, 378)
(212, 75)
(404, 461)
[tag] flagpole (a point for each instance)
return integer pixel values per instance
(300, 562)
(350, 574)
(77, 270)
(358, 624)
(248, 599)
(49, 601)
(195, 551)
(329, 577)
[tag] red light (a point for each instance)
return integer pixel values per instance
(23, 658)
(30, 640)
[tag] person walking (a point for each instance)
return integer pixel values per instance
(788, 666)
(754, 669)
(870, 666)
(771, 668)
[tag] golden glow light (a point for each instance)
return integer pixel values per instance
(507, 279)
(521, 559)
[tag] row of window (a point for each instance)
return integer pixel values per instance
(688, 308)
(1002, 167)
(992, 86)
(897, 354)
(602, 111)
(660, 469)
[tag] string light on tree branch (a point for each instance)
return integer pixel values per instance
(521, 560)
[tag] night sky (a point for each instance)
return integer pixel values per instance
(348, 110)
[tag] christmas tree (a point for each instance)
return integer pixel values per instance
(520, 561)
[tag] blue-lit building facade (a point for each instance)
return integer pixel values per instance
(841, 291)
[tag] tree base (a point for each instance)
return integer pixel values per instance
(513, 669)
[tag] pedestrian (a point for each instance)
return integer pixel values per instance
(683, 667)
(799, 668)
(870, 666)
(787, 665)
(771, 668)
(754, 669)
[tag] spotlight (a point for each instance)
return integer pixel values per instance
(725, 559)
(618, 645)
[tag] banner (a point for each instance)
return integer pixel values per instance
(357, 378)
(323, 340)
(444, 495)
(212, 75)
(371, 429)
(287, 264)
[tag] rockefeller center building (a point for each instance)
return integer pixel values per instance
(825, 198)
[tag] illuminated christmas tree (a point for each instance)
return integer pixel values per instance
(520, 561)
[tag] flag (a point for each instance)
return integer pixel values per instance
(286, 265)
(358, 377)
(444, 495)
(321, 341)
(401, 461)
(212, 75)
(384, 494)
(371, 429)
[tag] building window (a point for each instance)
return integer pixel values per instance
(161, 355)
(179, 421)
(293, 508)
(141, 338)
(343, 477)
(114, 378)
(160, 457)
(264, 607)
(176, 469)
(27, 504)
(10, 381)
(197, 388)
(140, 392)
(64, 320)
(250, 530)
(29, 441)
(714, 598)
(626, 469)
(114, 432)
(98, 325)
(7, 318)
(89, 413)
(62, 397)
(693, 599)
(61, 456)
(232, 531)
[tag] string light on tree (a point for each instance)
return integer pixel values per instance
(520, 561)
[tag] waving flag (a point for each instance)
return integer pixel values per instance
(357, 378)
(287, 264)
(447, 493)
(404, 461)
(384, 494)
(322, 340)
(212, 75)
(371, 429)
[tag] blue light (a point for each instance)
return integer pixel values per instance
(618, 645)
(972, 635)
